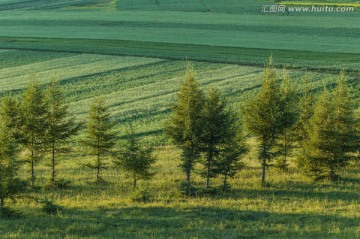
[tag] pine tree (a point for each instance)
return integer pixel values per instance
(229, 162)
(345, 120)
(263, 117)
(289, 115)
(60, 127)
(218, 130)
(306, 109)
(185, 124)
(34, 112)
(101, 137)
(136, 159)
(11, 116)
(333, 136)
(10, 185)
(319, 147)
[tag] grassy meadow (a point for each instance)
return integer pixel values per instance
(140, 91)
(134, 54)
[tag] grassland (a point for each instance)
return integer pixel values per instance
(132, 53)
(136, 89)
(141, 90)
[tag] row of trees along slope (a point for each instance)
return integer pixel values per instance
(322, 134)
(38, 124)
(203, 125)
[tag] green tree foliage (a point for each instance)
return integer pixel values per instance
(333, 136)
(318, 148)
(186, 122)
(136, 159)
(11, 117)
(229, 162)
(262, 116)
(101, 137)
(306, 109)
(60, 127)
(346, 120)
(10, 185)
(288, 118)
(218, 136)
(34, 112)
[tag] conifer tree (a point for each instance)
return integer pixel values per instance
(186, 122)
(318, 148)
(346, 121)
(136, 159)
(229, 162)
(10, 185)
(101, 136)
(34, 112)
(333, 136)
(218, 130)
(11, 116)
(289, 115)
(262, 116)
(306, 109)
(60, 127)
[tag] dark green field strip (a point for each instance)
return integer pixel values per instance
(19, 58)
(352, 32)
(220, 54)
(46, 4)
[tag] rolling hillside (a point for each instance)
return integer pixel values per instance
(134, 53)
(225, 32)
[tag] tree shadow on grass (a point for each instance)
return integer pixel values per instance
(298, 191)
(188, 222)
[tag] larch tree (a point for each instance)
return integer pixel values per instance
(10, 184)
(288, 118)
(319, 147)
(219, 132)
(100, 137)
(333, 134)
(136, 159)
(34, 124)
(346, 121)
(229, 161)
(60, 127)
(10, 115)
(262, 116)
(185, 124)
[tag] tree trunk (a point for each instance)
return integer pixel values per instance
(263, 172)
(98, 166)
(208, 168)
(134, 185)
(32, 161)
(53, 163)
(188, 181)
(285, 151)
(332, 174)
(32, 169)
(2, 203)
(225, 181)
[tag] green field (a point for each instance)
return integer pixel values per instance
(136, 28)
(134, 54)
